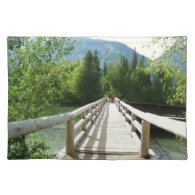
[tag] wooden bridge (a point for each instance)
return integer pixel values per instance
(107, 131)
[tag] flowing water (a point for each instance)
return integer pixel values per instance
(167, 146)
(164, 144)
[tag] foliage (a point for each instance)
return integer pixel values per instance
(35, 148)
(34, 81)
(86, 82)
(162, 81)
(34, 66)
(171, 77)
(127, 83)
(133, 60)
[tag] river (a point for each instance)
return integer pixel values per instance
(164, 144)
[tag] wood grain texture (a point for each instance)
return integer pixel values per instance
(109, 135)
(173, 126)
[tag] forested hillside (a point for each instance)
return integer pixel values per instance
(107, 50)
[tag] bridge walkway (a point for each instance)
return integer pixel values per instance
(109, 134)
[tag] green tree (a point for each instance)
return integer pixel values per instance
(87, 81)
(133, 61)
(105, 69)
(33, 70)
(118, 77)
(32, 79)
(171, 76)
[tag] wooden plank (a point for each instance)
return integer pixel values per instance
(103, 140)
(109, 135)
(79, 124)
(104, 145)
(108, 151)
(137, 126)
(88, 125)
(79, 137)
(128, 117)
(88, 116)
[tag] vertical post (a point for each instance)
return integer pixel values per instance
(95, 110)
(145, 138)
(123, 109)
(99, 105)
(119, 106)
(83, 116)
(134, 117)
(91, 117)
(126, 119)
(70, 137)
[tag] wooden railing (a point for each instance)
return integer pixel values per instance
(16, 129)
(93, 111)
(131, 115)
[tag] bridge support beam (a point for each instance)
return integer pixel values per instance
(145, 139)
(70, 137)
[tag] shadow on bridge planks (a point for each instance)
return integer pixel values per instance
(104, 115)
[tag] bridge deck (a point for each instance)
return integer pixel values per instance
(109, 134)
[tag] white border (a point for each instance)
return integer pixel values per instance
(96, 18)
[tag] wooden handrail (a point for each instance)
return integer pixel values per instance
(173, 126)
(176, 127)
(16, 129)
(94, 109)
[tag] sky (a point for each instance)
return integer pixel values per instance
(138, 43)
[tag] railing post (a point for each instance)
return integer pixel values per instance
(119, 106)
(70, 137)
(126, 119)
(83, 116)
(124, 110)
(145, 138)
(95, 110)
(90, 111)
(99, 106)
(134, 117)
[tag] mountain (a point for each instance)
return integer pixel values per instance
(106, 50)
